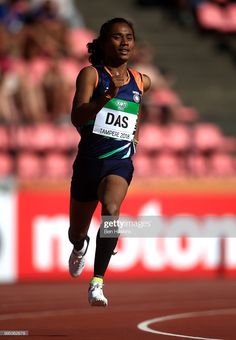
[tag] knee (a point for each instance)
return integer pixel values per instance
(75, 235)
(110, 209)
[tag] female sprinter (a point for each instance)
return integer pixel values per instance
(105, 111)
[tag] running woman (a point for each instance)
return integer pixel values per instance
(105, 113)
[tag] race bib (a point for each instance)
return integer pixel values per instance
(117, 119)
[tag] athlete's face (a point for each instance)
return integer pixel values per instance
(119, 45)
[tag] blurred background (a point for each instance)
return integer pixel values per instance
(187, 152)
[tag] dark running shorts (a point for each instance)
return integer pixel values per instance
(88, 173)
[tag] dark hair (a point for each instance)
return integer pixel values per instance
(94, 47)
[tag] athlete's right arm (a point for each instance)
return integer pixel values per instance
(83, 109)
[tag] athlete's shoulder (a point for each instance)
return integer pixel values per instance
(88, 73)
(88, 70)
(146, 82)
(143, 81)
(135, 72)
(138, 78)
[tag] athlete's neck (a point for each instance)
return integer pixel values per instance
(121, 70)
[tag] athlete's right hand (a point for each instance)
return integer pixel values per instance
(116, 82)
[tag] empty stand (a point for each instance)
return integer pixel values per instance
(151, 138)
(4, 138)
(22, 137)
(70, 69)
(78, 39)
(56, 166)
(231, 17)
(164, 97)
(177, 138)
(197, 165)
(210, 16)
(6, 165)
(223, 165)
(29, 166)
(207, 137)
(167, 165)
(213, 16)
(142, 165)
(43, 137)
(67, 138)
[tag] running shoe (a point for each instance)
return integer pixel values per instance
(77, 259)
(95, 295)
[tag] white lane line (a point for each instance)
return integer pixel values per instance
(144, 326)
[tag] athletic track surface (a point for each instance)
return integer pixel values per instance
(153, 309)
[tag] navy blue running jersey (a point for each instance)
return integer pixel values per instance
(110, 135)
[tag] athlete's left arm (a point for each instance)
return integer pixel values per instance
(146, 87)
(146, 83)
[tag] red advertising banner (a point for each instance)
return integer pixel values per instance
(44, 249)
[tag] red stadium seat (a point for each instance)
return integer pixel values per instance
(211, 16)
(221, 2)
(33, 70)
(44, 137)
(197, 165)
(29, 166)
(231, 17)
(67, 138)
(142, 165)
(4, 138)
(6, 165)
(151, 138)
(69, 69)
(167, 165)
(78, 39)
(56, 166)
(207, 137)
(223, 165)
(177, 138)
(229, 144)
(70, 159)
(36, 69)
(186, 114)
(164, 97)
(22, 136)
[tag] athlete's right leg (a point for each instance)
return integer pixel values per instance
(80, 217)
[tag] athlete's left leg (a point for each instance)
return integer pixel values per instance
(111, 193)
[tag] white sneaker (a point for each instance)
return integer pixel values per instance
(77, 259)
(95, 295)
